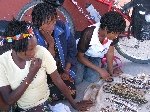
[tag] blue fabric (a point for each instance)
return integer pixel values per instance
(86, 73)
(60, 51)
(65, 40)
(40, 40)
(67, 30)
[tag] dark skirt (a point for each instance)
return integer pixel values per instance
(55, 93)
(44, 107)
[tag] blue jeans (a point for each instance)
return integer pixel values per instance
(87, 73)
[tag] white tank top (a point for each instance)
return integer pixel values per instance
(97, 49)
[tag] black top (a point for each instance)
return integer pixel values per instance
(86, 35)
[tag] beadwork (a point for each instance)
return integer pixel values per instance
(21, 36)
(126, 92)
(26, 83)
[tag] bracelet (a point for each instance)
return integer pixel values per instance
(26, 83)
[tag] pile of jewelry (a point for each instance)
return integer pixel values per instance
(137, 83)
(126, 94)
(119, 105)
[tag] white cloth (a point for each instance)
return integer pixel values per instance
(60, 108)
(97, 49)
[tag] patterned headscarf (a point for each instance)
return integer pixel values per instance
(17, 37)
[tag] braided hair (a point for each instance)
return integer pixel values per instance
(13, 28)
(42, 12)
(113, 21)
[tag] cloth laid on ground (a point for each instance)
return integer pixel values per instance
(132, 94)
(60, 108)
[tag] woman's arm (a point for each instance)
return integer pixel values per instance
(67, 68)
(65, 91)
(104, 74)
(11, 97)
(3, 104)
(86, 62)
(110, 57)
(62, 87)
(46, 34)
(71, 53)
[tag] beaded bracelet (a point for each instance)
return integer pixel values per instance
(26, 83)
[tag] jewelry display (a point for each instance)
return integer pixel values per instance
(137, 83)
(127, 94)
(121, 105)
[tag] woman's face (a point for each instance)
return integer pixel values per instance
(30, 52)
(48, 25)
(112, 35)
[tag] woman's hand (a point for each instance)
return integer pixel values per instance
(83, 105)
(117, 72)
(35, 66)
(47, 36)
(67, 71)
(104, 74)
(67, 68)
(46, 31)
(65, 76)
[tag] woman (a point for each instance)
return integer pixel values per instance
(55, 35)
(96, 42)
(23, 71)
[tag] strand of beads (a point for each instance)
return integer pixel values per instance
(126, 92)
(137, 83)
(121, 105)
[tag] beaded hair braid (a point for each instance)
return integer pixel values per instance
(16, 35)
(21, 36)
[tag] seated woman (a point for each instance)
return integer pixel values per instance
(95, 42)
(55, 35)
(23, 71)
